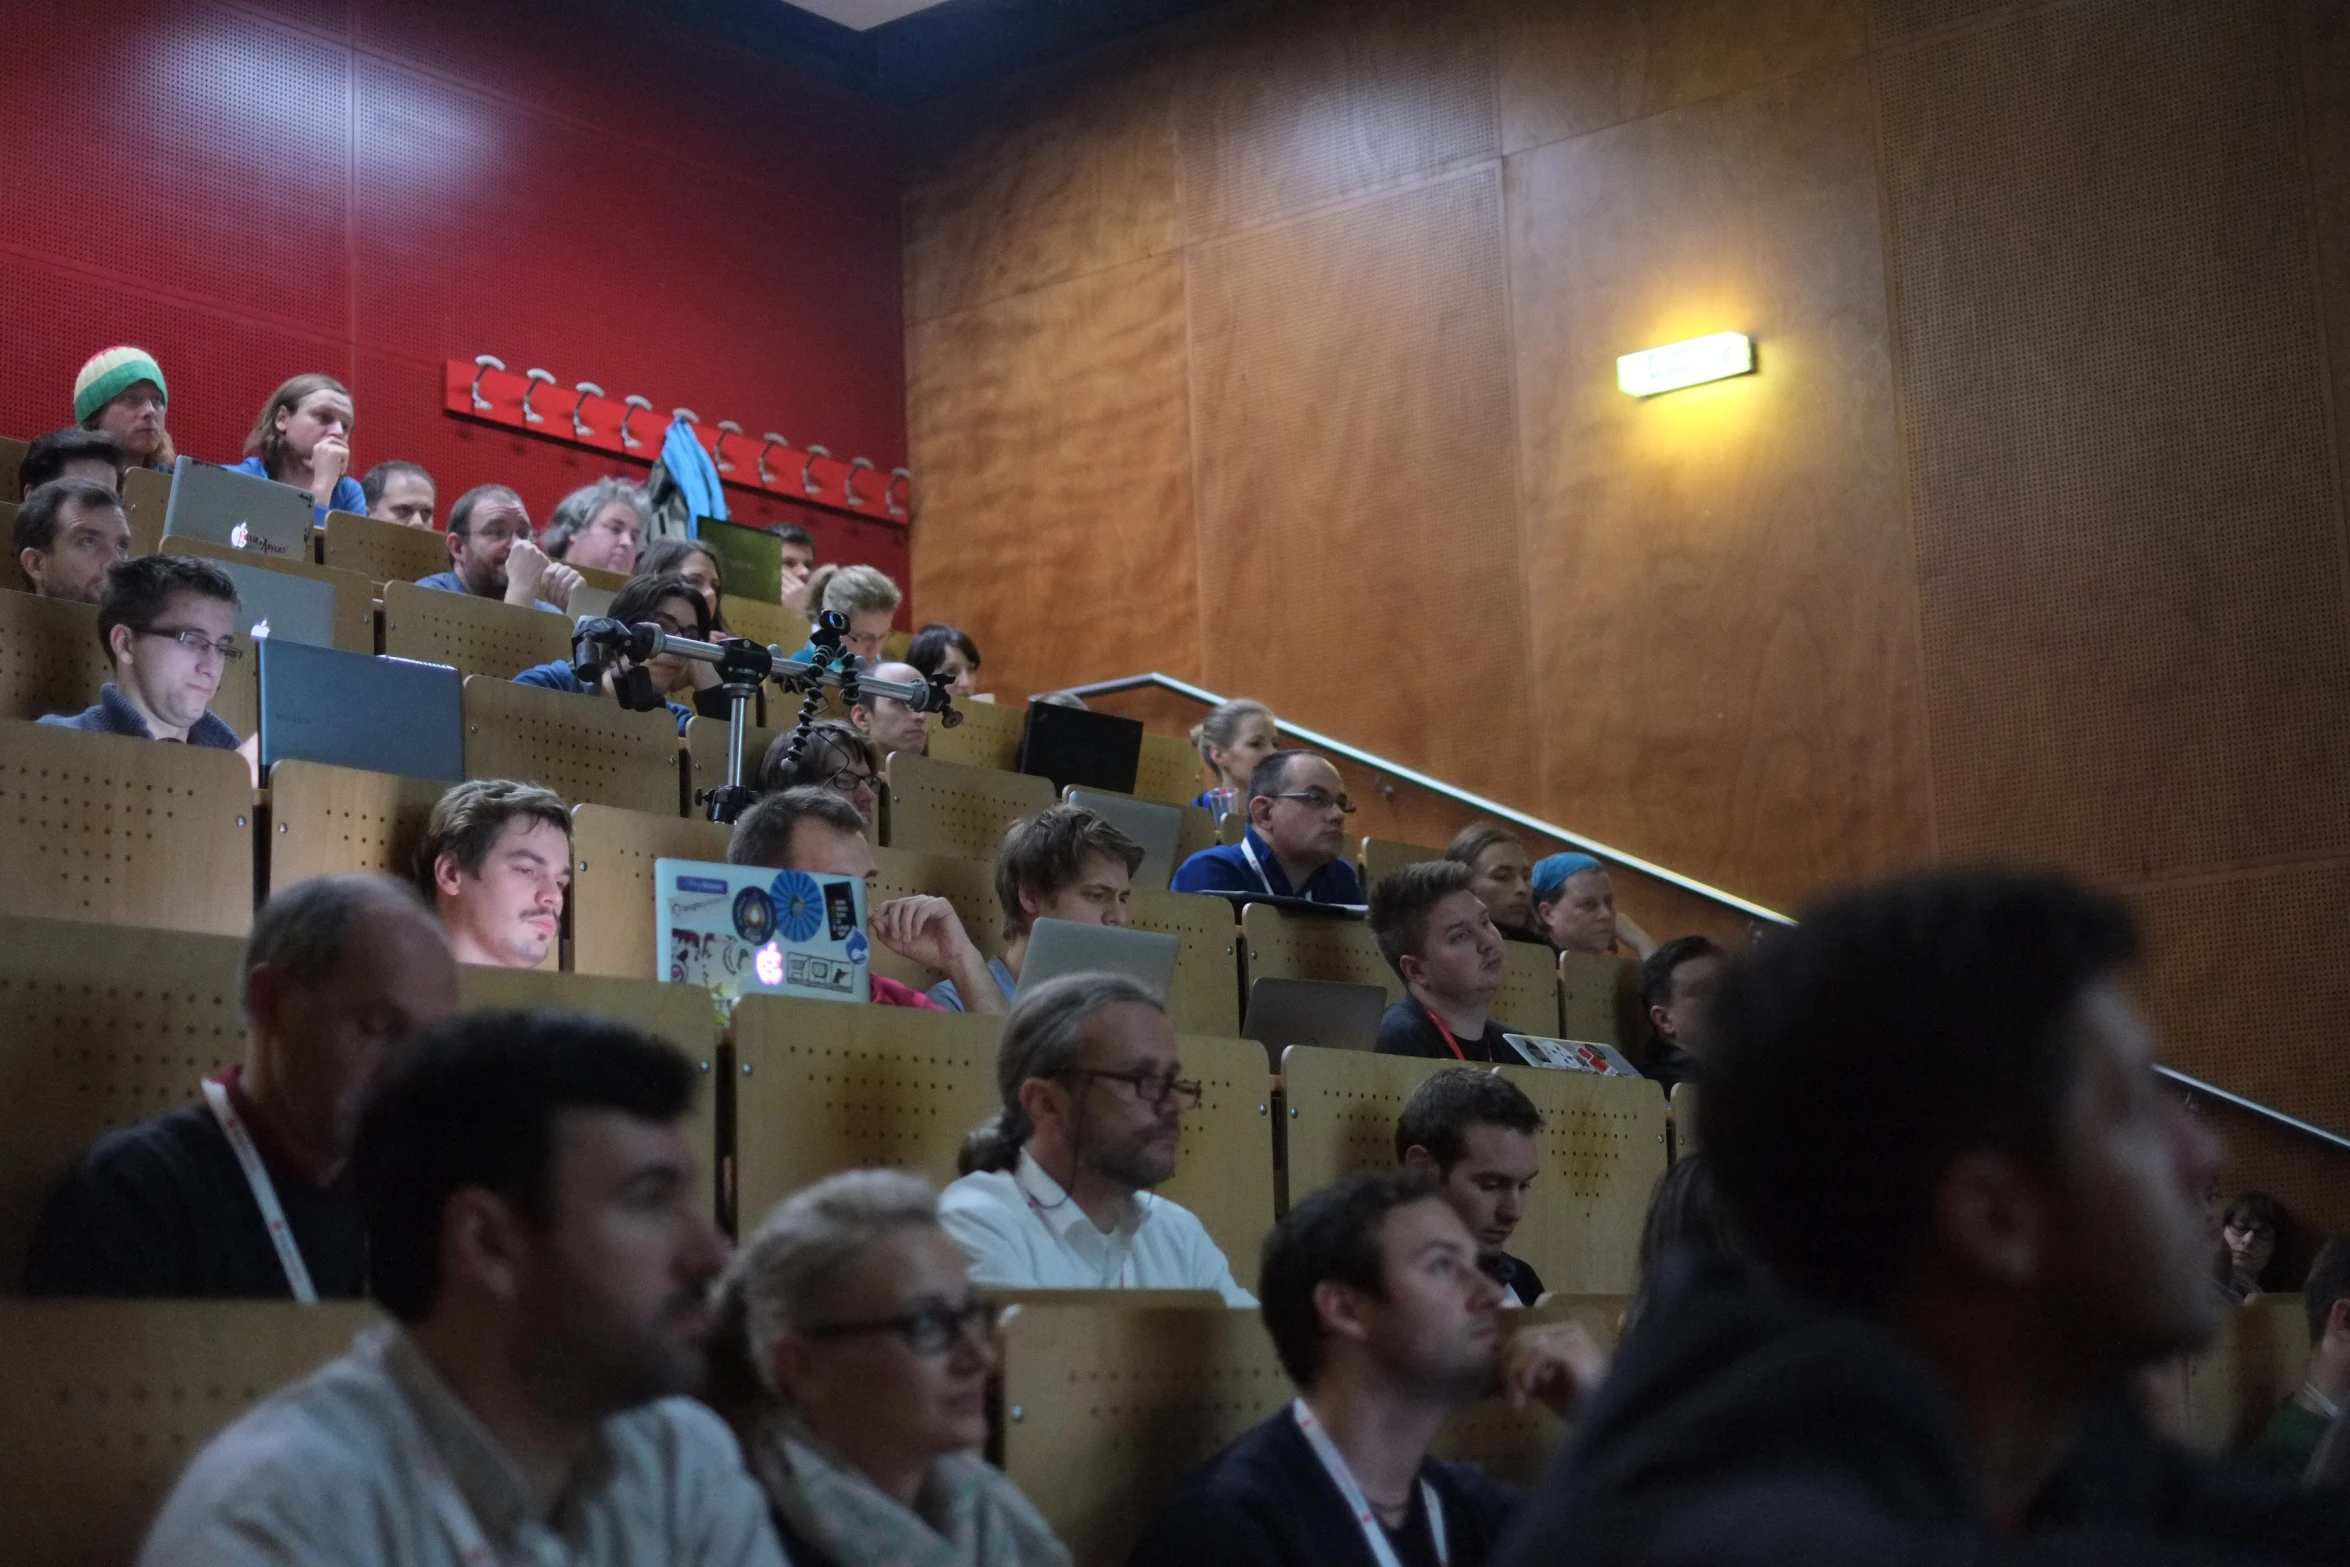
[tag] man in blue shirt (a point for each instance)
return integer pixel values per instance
(1295, 846)
(491, 554)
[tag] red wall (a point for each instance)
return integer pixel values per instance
(371, 187)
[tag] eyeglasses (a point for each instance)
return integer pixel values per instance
(1148, 1087)
(848, 781)
(1318, 800)
(931, 1331)
(197, 642)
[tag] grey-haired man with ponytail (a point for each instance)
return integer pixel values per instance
(1056, 1192)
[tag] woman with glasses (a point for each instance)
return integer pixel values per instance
(852, 1359)
(671, 603)
(834, 756)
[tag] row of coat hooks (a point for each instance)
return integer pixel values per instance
(534, 404)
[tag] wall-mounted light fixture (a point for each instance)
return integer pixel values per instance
(1675, 365)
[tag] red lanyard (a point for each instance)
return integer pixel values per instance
(1451, 1043)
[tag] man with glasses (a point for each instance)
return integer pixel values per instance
(1295, 846)
(170, 624)
(831, 755)
(491, 555)
(1057, 1190)
(890, 724)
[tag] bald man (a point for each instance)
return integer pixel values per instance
(888, 722)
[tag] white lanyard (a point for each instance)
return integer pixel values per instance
(1249, 850)
(1374, 1533)
(473, 1549)
(273, 1216)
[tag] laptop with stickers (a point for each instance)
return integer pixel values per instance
(1572, 1055)
(740, 930)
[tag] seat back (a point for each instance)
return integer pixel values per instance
(107, 1027)
(2236, 1383)
(474, 636)
(614, 929)
(590, 752)
(769, 625)
(50, 659)
(1224, 1167)
(988, 736)
(1282, 945)
(146, 496)
(1599, 998)
(1169, 769)
(967, 884)
(103, 1402)
(1382, 857)
(128, 832)
(948, 808)
(705, 745)
(1204, 995)
(324, 820)
(1528, 1001)
(680, 1014)
(12, 453)
(1603, 1151)
(383, 552)
(1683, 1101)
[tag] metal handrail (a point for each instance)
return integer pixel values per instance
(1474, 801)
(1316, 738)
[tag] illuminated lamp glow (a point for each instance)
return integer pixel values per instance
(1676, 365)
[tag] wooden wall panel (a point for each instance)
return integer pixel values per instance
(2128, 528)
(1304, 102)
(1356, 517)
(1571, 66)
(1052, 435)
(1724, 630)
(2320, 34)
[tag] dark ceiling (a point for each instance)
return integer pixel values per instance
(932, 53)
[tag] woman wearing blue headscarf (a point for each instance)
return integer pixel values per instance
(1575, 904)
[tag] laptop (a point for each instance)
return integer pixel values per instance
(280, 606)
(750, 560)
(1075, 745)
(381, 715)
(238, 510)
(1572, 1055)
(1154, 825)
(1057, 947)
(740, 930)
(1336, 1016)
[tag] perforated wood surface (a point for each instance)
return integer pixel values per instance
(1599, 997)
(680, 1014)
(613, 919)
(354, 594)
(103, 1402)
(50, 660)
(2259, 1358)
(95, 1041)
(1224, 1167)
(383, 552)
(948, 808)
(1168, 769)
(590, 752)
(323, 820)
(475, 636)
(988, 736)
(1204, 995)
(1282, 945)
(967, 884)
(129, 832)
(1528, 1001)
(1603, 1150)
(146, 496)
(1382, 857)
(769, 625)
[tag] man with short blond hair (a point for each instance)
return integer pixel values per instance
(1064, 863)
(1437, 935)
(496, 862)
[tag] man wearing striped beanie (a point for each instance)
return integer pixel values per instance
(122, 392)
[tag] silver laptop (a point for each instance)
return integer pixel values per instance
(739, 930)
(1057, 947)
(1285, 1012)
(381, 715)
(281, 605)
(238, 510)
(1147, 822)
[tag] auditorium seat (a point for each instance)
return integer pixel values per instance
(12, 453)
(102, 1403)
(1599, 999)
(146, 497)
(587, 749)
(948, 808)
(1232, 828)
(680, 1014)
(1204, 996)
(475, 636)
(324, 820)
(1169, 769)
(705, 749)
(382, 552)
(108, 1026)
(128, 832)
(2255, 1363)
(355, 630)
(1603, 1150)
(1681, 1100)
(967, 884)
(769, 625)
(1283, 945)
(1528, 1001)
(822, 1086)
(612, 854)
(988, 736)
(1383, 857)
(50, 660)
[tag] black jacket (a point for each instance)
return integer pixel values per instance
(1739, 1429)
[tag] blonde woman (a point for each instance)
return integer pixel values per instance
(865, 595)
(1231, 740)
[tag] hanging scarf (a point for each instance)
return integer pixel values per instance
(967, 1515)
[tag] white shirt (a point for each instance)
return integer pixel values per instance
(1024, 1232)
(334, 1470)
